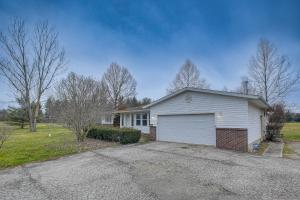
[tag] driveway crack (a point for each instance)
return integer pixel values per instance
(134, 177)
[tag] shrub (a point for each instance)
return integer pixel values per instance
(276, 122)
(122, 135)
(94, 133)
(130, 136)
(109, 134)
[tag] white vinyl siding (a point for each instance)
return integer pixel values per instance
(254, 123)
(230, 112)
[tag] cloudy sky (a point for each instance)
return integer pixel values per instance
(153, 38)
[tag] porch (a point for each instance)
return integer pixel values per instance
(135, 118)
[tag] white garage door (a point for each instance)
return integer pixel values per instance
(194, 129)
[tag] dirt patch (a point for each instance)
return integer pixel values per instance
(91, 144)
(185, 147)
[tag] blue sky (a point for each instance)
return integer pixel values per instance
(153, 38)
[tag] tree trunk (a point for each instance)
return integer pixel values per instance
(36, 114)
(34, 124)
(28, 104)
(31, 127)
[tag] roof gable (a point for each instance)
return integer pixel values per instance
(257, 100)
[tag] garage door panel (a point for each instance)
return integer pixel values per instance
(194, 129)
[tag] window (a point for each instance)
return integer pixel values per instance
(145, 119)
(122, 118)
(138, 120)
(107, 118)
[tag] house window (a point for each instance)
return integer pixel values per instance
(145, 119)
(138, 120)
(107, 118)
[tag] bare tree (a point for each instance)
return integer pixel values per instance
(30, 62)
(52, 110)
(119, 84)
(188, 76)
(81, 103)
(14, 63)
(134, 102)
(272, 73)
(49, 61)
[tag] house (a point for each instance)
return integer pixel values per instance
(199, 116)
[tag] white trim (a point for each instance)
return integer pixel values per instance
(207, 113)
(132, 111)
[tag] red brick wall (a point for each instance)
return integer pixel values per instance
(232, 138)
(153, 133)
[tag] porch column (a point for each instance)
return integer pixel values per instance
(121, 120)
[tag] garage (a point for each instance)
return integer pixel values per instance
(191, 128)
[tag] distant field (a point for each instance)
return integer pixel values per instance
(291, 131)
(23, 146)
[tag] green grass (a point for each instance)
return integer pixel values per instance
(287, 150)
(145, 138)
(291, 132)
(23, 146)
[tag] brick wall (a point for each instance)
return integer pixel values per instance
(232, 138)
(153, 133)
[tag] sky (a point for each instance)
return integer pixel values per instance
(153, 38)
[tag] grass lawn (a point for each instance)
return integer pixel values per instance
(291, 132)
(145, 138)
(287, 150)
(24, 147)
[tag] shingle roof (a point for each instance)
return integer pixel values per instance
(131, 109)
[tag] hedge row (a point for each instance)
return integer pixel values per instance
(122, 135)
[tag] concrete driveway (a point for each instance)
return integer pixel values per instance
(296, 147)
(155, 171)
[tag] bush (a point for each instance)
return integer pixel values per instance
(94, 133)
(129, 136)
(276, 122)
(122, 135)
